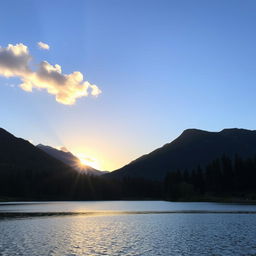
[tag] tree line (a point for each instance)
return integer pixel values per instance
(223, 177)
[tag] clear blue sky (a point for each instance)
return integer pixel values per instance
(162, 67)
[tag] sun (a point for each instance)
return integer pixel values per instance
(84, 161)
(88, 161)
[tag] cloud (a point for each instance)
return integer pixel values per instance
(15, 62)
(43, 46)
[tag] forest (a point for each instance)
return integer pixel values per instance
(224, 177)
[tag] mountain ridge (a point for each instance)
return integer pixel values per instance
(69, 159)
(14, 149)
(192, 148)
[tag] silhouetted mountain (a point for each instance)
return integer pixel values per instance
(19, 152)
(69, 159)
(29, 173)
(192, 148)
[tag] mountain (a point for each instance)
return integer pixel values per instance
(29, 173)
(17, 152)
(69, 159)
(192, 148)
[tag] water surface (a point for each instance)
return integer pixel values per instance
(124, 206)
(128, 228)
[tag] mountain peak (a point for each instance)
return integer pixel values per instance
(236, 130)
(192, 148)
(192, 132)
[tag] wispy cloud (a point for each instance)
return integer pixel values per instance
(15, 62)
(43, 46)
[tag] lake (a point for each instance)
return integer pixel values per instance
(127, 228)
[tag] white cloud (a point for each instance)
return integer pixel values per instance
(15, 60)
(43, 46)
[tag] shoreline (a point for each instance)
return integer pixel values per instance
(228, 200)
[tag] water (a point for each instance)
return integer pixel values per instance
(127, 228)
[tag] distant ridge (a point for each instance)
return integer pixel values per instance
(69, 159)
(192, 148)
(29, 173)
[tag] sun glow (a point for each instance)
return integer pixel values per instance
(88, 161)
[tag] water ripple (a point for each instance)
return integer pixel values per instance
(130, 234)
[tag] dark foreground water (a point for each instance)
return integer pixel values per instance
(127, 228)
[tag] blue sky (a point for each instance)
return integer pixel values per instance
(162, 67)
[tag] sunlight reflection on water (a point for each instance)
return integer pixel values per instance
(122, 206)
(130, 234)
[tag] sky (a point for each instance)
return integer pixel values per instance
(131, 75)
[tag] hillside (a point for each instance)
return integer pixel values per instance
(192, 148)
(17, 152)
(27, 172)
(69, 159)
